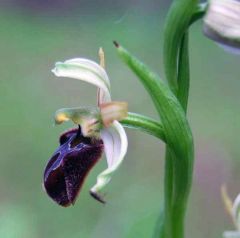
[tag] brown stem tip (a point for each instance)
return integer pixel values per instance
(116, 44)
(97, 197)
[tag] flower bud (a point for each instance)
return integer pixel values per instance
(222, 24)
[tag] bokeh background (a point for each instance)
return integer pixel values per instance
(34, 35)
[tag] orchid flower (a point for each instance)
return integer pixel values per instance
(233, 208)
(99, 130)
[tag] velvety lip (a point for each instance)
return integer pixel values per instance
(68, 167)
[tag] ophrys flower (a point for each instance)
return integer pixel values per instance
(99, 130)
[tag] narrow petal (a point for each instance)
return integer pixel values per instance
(87, 117)
(115, 147)
(85, 70)
(101, 95)
(76, 114)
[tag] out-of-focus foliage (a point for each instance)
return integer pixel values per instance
(30, 43)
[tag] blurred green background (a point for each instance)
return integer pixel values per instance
(36, 34)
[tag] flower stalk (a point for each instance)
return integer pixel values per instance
(144, 124)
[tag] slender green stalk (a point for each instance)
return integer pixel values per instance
(145, 124)
(183, 80)
(179, 210)
(174, 208)
(183, 72)
(168, 192)
(177, 22)
(182, 13)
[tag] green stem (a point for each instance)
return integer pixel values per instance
(181, 15)
(177, 22)
(183, 72)
(168, 192)
(177, 67)
(145, 124)
(175, 211)
(180, 204)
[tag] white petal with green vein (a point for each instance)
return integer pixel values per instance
(85, 70)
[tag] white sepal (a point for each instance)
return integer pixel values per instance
(102, 97)
(85, 70)
(115, 147)
(222, 24)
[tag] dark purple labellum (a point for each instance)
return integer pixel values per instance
(69, 166)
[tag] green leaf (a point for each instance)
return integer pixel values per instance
(176, 128)
(177, 131)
